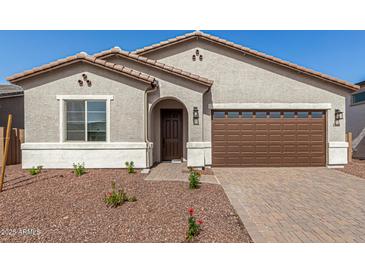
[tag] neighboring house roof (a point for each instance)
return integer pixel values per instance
(82, 57)
(10, 91)
(245, 50)
(361, 84)
(154, 63)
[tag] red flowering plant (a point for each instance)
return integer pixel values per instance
(193, 225)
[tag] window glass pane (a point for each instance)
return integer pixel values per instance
(218, 114)
(358, 98)
(261, 115)
(75, 120)
(233, 114)
(317, 114)
(275, 114)
(247, 114)
(96, 121)
(289, 114)
(302, 114)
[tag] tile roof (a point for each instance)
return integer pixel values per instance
(155, 64)
(83, 57)
(245, 50)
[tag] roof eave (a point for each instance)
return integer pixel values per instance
(110, 53)
(71, 60)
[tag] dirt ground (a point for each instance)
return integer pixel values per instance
(356, 167)
(57, 206)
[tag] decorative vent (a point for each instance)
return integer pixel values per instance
(197, 54)
(84, 79)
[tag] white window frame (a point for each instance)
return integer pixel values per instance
(62, 120)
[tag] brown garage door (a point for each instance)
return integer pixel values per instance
(268, 138)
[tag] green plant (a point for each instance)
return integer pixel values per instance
(130, 167)
(79, 169)
(194, 179)
(35, 170)
(193, 226)
(116, 197)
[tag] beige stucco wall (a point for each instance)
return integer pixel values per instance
(170, 86)
(244, 79)
(12, 105)
(356, 125)
(42, 108)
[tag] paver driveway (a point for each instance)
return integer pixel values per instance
(297, 204)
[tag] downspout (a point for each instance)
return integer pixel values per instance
(154, 87)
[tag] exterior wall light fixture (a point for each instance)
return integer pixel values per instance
(195, 116)
(338, 117)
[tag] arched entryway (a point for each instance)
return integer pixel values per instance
(168, 130)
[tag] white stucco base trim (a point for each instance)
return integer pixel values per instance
(337, 153)
(293, 106)
(93, 155)
(199, 154)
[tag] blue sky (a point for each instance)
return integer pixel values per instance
(337, 53)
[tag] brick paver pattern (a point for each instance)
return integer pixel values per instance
(297, 204)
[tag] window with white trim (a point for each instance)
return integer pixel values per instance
(86, 120)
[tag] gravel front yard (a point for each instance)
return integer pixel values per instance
(57, 206)
(356, 167)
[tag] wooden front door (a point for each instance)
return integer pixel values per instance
(171, 134)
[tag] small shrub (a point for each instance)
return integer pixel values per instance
(116, 198)
(193, 226)
(79, 169)
(35, 170)
(130, 167)
(194, 179)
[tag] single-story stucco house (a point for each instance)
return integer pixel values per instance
(195, 97)
(355, 109)
(11, 102)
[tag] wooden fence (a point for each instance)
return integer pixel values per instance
(349, 140)
(16, 139)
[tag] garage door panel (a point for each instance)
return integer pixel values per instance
(246, 138)
(289, 127)
(249, 149)
(287, 138)
(233, 127)
(261, 138)
(262, 127)
(318, 127)
(233, 138)
(275, 138)
(276, 126)
(269, 141)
